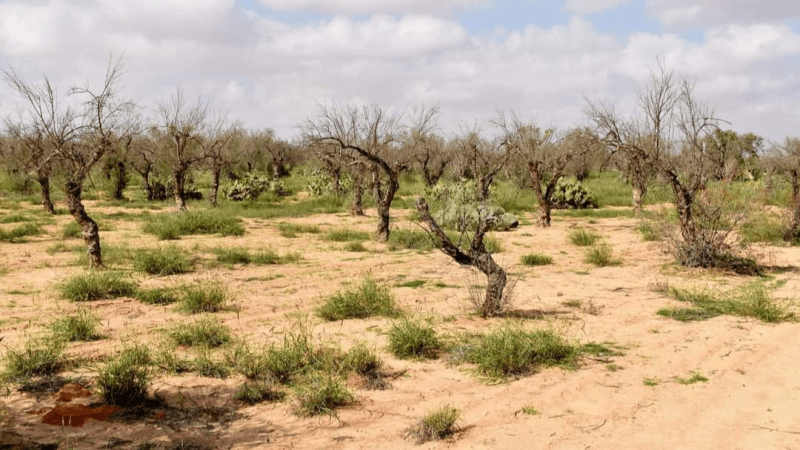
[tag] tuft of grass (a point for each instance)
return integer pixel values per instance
(414, 284)
(572, 303)
(583, 237)
(241, 255)
(366, 299)
(206, 297)
(650, 231)
(322, 394)
(206, 366)
(601, 256)
(354, 247)
(762, 228)
(362, 360)
(651, 382)
(536, 259)
(169, 260)
(253, 392)
(20, 232)
(413, 339)
(753, 300)
(40, 356)
(291, 230)
(530, 410)
(436, 425)
(210, 221)
(124, 380)
(96, 286)
(79, 327)
(510, 350)
(695, 378)
(16, 218)
(157, 296)
(346, 235)
(205, 332)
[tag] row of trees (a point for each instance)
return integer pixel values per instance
(670, 135)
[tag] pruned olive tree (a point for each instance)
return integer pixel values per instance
(144, 152)
(184, 126)
(75, 139)
(790, 164)
(219, 145)
(27, 151)
(480, 159)
(425, 147)
(370, 133)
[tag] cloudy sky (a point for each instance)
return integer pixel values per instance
(269, 62)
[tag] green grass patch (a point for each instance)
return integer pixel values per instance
(291, 230)
(16, 218)
(536, 259)
(40, 356)
(93, 285)
(695, 378)
(595, 213)
(601, 256)
(346, 235)
(157, 296)
(583, 237)
(366, 299)
(124, 380)
(206, 332)
(253, 392)
(81, 326)
(355, 247)
(650, 231)
(752, 300)
(763, 228)
(20, 232)
(322, 394)
(210, 221)
(436, 425)
(413, 339)
(411, 284)
(205, 297)
(169, 260)
(530, 411)
(241, 255)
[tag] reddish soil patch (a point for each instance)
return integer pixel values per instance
(77, 415)
(71, 391)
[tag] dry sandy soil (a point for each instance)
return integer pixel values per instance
(751, 399)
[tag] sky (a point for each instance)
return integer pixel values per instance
(271, 63)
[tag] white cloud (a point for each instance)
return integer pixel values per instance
(592, 6)
(372, 6)
(693, 12)
(269, 73)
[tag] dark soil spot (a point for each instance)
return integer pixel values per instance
(76, 415)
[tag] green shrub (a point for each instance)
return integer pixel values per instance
(206, 297)
(510, 350)
(536, 259)
(251, 187)
(753, 300)
(583, 237)
(169, 260)
(157, 296)
(257, 392)
(20, 232)
(601, 256)
(79, 327)
(213, 221)
(41, 356)
(409, 338)
(322, 394)
(96, 286)
(436, 425)
(124, 380)
(205, 332)
(366, 299)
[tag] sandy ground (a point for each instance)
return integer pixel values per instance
(752, 398)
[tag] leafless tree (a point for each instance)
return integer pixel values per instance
(423, 145)
(145, 150)
(482, 159)
(76, 140)
(369, 132)
(184, 125)
(218, 144)
(790, 163)
(30, 154)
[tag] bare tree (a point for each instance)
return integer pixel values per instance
(145, 149)
(282, 155)
(423, 145)
(370, 133)
(76, 141)
(31, 154)
(482, 160)
(790, 163)
(218, 145)
(184, 125)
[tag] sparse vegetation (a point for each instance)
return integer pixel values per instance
(207, 297)
(536, 259)
(168, 260)
(695, 378)
(20, 232)
(410, 338)
(291, 230)
(601, 256)
(157, 296)
(436, 425)
(96, 285)
(124, 380)
(321, 394)
(241, 255)
(81, 326)
(39, 356)
(252, 392)
(366, 299)
(211, 221)
(204, 332)
(346, 235)
(583, 237)
(753, 300)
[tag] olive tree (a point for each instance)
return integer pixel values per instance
(370, 133)
(790, 164)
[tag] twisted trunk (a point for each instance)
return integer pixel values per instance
(215, 175)
(47, 203)
(121, 181)
(180, 184)
(358, 191)
(794, 226)
(545, 196)
(91, 234)
(684, 200)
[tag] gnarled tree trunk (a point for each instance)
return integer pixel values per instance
(545, 196)
(121, 180)
(44, 182)
(215, 174)
(180, 192)
(357, 208)
(683, 204)
(477, 256)
(793, 232)
(639, 191)
(91, 233)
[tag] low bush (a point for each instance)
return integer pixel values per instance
(572, 194)
(251, 187)
(206, 297)
(366, 299)
(436, 425)
(79, 327)
(212, 221)
(96, 286)
(169, 260)
(413, 339)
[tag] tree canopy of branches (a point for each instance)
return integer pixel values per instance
(370, 133)
(789, 162)
(75, 139)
